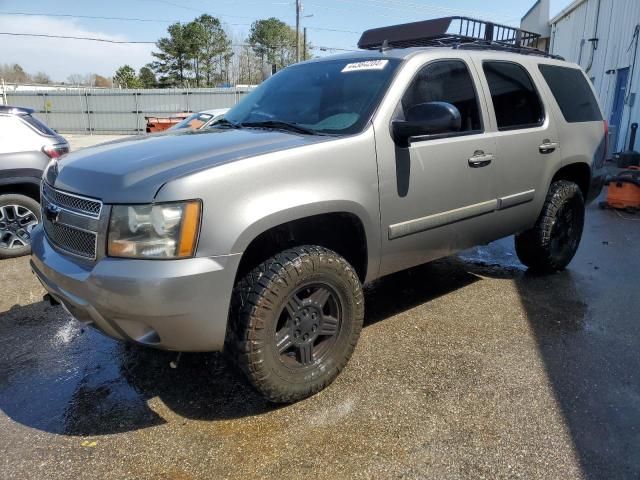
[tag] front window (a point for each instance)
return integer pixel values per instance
(193, 122)
(446, 81)
(327, 97)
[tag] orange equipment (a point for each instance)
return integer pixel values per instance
(624, 190)
(159, 124)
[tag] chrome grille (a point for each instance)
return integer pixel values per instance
(75, 225)
(75, 203)
(71, 239)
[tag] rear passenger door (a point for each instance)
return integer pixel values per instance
(528, 148)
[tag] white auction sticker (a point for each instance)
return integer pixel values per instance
(368, 65)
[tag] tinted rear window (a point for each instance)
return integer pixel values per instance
(572, 92)
(38, 125)
(515, 99)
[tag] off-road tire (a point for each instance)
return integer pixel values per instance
(259, 301)
(552, 243)
(28, 203)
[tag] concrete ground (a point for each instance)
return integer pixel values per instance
(469, 367)
(78, 141)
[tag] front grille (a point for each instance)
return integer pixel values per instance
(85, 206)
(74, 228)
(71, 239)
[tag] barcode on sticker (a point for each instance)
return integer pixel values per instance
(367, 65)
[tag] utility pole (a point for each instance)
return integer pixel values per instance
(304, 44)
(298, 30)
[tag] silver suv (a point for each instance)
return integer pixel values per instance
(257, 235)
(26, 147)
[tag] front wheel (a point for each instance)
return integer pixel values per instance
(552, 243)
(18, 215)
(298, 317)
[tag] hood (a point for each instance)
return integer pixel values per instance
(133, 170)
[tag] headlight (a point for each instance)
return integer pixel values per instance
(165, 230)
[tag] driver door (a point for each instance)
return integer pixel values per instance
(438, 195)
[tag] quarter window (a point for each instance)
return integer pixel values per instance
(38, 125)
(446, 81)
(572, 92)
(515, 99)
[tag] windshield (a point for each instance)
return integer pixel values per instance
(333, 97)
(194, 122)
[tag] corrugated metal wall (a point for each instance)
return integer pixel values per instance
(617, 21)
(118, 111)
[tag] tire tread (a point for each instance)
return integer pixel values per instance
(253, 296)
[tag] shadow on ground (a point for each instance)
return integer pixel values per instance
(60, 378)
(63, 378)
(586, 323)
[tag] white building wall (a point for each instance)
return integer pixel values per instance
(537, 19)
(617, 21)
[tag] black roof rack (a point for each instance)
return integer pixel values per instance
(16, 110)
(456, 32)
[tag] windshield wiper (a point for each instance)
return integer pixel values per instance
(223, 122)
(280, 125)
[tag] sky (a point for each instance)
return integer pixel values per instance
(62, 57)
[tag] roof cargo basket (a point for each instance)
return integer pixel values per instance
(457, 32)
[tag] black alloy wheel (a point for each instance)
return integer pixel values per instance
(295, 320)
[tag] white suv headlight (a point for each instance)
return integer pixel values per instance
(163, 230)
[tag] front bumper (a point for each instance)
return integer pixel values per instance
(179, 305)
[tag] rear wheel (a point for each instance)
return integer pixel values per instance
(552, 243)
(18, 215)
(295, 322)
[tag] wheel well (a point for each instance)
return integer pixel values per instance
(30, 190)
(340, 232)
(579, 173)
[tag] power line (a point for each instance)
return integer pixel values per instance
(333, 30)
(426, 7)
(401, 9)
(106, 40)
(93, 39)
(91, 17)
(199, 10)
(133, 19)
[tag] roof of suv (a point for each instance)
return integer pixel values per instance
(406, 53)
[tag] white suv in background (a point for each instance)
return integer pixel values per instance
(26, 147)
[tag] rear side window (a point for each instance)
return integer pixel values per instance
(38, 125)
(572, 92)
(446, 81)
(515, 99)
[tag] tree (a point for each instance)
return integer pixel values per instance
(79, 79)
(125, 77)
(147, 77)
(42, 78)
(173, 61)
(100, 81)
(273, 41)
(212, 49)
(198, 50)
(14, 73)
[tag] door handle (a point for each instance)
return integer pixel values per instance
(480, 159)
(548, 147)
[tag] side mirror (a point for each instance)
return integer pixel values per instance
(428, 118)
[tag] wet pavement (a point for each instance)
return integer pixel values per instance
(468, 367)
